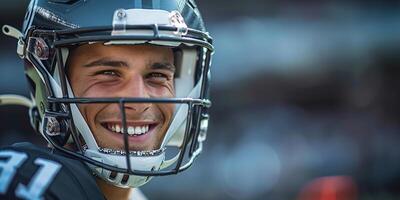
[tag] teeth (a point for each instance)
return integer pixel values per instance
(117, 128)
(132, 130)
(143, 129)
(138, 130)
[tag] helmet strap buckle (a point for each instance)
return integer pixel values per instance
(15, 33)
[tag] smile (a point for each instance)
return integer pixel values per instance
(132, 130)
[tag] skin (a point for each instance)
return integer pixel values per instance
(142, 71)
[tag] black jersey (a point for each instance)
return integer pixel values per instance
(31, 172)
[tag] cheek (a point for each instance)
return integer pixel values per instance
(98, 90)
(89, 113)
(166, 91)
(85, 86)
(167, 111)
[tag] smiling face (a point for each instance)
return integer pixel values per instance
(140, 71)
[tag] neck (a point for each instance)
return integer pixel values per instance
(112, 192)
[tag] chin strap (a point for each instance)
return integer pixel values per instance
(11, 99)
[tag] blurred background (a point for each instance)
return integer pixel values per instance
(305, 101)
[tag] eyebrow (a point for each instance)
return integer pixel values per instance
(118, 63)
(107, 62)
(163, 66)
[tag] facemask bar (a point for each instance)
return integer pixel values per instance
(194, 105)
(191, 103)
(201, 128)
(193, 37)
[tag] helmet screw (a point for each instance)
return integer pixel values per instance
(121, 14)
(53, 126)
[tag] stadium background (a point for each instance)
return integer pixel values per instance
(303, 91)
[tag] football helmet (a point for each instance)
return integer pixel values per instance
(52, 27)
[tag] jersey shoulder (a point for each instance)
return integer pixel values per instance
(31, 172)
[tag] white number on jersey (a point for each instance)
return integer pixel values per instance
(40, 181)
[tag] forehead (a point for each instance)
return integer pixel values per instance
(135, 53)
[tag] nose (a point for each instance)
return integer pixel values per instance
(135, 88)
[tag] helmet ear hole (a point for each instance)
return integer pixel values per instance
(34, 118)
(33, 112)
(31, 85)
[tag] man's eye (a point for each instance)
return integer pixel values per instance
(107, 73)
(157, 77)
